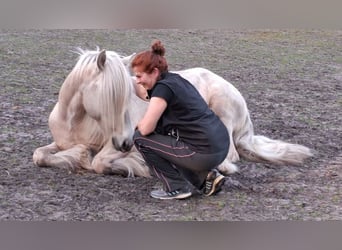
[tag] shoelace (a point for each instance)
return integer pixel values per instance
(208, 185)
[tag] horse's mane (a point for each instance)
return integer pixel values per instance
(114, 87)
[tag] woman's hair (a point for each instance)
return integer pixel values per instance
(151, 59)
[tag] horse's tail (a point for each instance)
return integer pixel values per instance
(259, 148)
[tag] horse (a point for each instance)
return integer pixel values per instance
(93, 121)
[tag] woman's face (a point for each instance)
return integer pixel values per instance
(147, 80)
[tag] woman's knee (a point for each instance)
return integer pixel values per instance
(136, 134)
(136, 137)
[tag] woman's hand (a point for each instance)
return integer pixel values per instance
(140, 91)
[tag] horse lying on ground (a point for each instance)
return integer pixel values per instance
(93, 122)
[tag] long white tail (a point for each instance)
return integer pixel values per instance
(259, 148)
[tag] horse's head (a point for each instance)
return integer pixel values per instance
(107, 97)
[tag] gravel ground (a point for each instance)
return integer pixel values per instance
(291, 80)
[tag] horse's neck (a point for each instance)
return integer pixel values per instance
(70, 87)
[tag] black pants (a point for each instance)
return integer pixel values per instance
(174, 163)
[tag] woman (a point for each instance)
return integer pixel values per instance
(180, 138)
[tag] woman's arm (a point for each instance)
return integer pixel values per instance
(154, 111)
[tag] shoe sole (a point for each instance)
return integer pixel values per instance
(217, 185)
(178, 197)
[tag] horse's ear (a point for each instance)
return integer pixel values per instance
(128, 59)
(101, 59)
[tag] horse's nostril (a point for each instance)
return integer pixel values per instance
(126, 145)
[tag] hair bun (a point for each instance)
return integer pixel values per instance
(158, 48)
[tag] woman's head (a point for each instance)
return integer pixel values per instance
(148, 65)
(150, 59)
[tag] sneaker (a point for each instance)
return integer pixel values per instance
(176, 194)
(213, 183)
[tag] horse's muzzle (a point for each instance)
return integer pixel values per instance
(125, 146)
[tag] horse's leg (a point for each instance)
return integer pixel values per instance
(110, 161)
(227, 166)
(72, 159)
(233, 154)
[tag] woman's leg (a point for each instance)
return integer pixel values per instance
(152, 148)
(173, 162)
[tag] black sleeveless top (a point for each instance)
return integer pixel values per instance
(187, 111)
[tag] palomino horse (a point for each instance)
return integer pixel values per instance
(97, 110)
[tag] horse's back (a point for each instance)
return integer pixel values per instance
(209, 83)
(220, 94)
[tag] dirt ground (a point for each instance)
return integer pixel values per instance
(291, 80)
